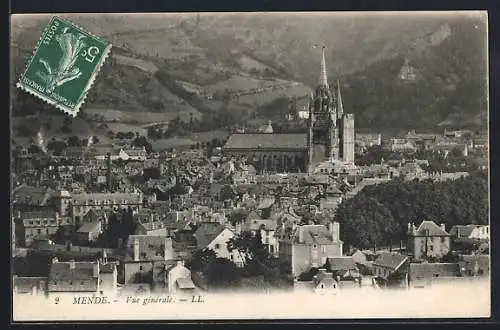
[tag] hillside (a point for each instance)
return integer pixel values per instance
(167, 65)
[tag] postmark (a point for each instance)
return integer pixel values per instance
(64, 65)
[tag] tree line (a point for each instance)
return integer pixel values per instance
(379, 214)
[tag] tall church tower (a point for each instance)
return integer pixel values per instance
(323, 121)
(330, 133)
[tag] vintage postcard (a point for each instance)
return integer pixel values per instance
(224, 166)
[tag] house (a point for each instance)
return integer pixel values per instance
(137, 154)
(95, 216)
(154, 228)
(398, 144)
(108, 275)
(309, 246)
(146, 259)
(364, 260)
(73, 276)
(391, 269)
(425, 274)
(29, 285)
(26, 198)
(323, 283)
(267, 229)
(427, 241)
(412, 170)
(478, 233)
(81, 203)
(343, 268)
(89, 232)
(214, 236)
(179, 280)
(41, 225)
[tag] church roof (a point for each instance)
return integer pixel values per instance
(267, 141)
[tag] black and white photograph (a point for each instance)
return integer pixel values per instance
(249, 165)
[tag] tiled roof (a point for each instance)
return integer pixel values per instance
(207, 232)
(267, 141)
(313, 234)
(89, 227)
(185, 283)
(341, 263)
(37, 196)
(82, 270)
(390, 260)
(429, 228)
(462, 231)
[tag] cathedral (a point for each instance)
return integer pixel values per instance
(329, 136)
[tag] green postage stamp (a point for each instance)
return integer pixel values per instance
(64, 65)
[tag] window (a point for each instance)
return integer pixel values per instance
(217, 245)
(140, 268)
(322, 286)
(38, 231)
(443, 239)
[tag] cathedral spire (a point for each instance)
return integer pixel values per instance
(323, 81)
(340, 105)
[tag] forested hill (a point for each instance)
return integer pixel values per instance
(380, 214)
(448, 86)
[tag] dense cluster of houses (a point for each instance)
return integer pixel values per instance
(68, 206)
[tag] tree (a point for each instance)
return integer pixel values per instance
(142, 141)
(201, 260)
(222, 273)
(238, 216)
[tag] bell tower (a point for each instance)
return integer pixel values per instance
(323, 119)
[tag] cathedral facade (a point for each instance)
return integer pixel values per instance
(329, 136)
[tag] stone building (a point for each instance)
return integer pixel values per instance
(427, 241)
(329, 136)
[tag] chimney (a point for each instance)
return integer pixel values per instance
(168, 252)
(301, 234)
(136, 249)
(443, 227)
(409, 228)
(72, 264)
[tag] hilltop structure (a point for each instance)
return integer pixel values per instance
(329, 136)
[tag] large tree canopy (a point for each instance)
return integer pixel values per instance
(380, 214)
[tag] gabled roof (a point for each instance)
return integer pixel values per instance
(267, 141)
(207, 232)
(390, 260)
(430, 228)
(266, 203)
(462, 231)
(89, 227)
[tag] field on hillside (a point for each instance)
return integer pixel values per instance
(138, 63)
